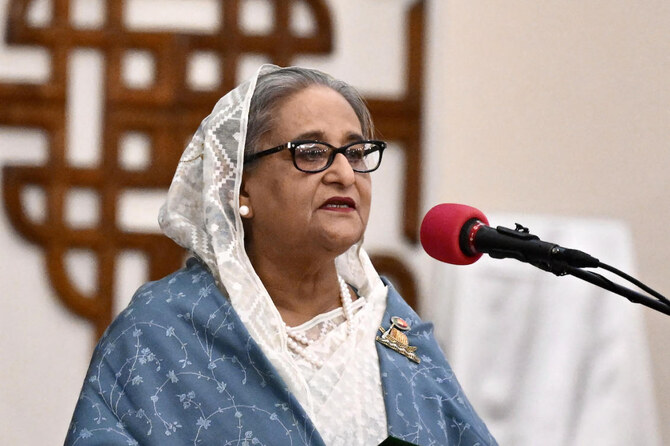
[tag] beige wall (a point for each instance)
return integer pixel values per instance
(562, 108)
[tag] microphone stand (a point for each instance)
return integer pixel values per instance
(629, 294)
(560, 261)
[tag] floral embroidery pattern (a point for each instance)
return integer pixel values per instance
(172, 370)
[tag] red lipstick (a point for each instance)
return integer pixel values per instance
(341, 204)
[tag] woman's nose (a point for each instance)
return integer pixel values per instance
(340, 171)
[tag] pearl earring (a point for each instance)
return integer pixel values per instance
(244, 210)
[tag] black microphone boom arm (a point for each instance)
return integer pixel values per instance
(520, 244)
(633, 296)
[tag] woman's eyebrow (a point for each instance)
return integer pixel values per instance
(355, 136)
(320, 136)
(315, 134)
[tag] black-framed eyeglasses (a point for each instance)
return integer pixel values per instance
(316, 156)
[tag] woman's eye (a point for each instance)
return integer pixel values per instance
(312, 153)
(355, 154)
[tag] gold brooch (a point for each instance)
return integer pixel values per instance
(396, 340)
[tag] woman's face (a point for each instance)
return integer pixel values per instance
(298, 213)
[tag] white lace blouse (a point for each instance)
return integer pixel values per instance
(347, 405)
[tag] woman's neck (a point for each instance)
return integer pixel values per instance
(299, 290)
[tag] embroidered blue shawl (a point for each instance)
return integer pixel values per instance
(178, 367)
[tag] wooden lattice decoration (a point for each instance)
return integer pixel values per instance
(167, 112)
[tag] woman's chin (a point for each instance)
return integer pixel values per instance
(340, 242)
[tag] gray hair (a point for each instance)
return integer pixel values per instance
(273, 87)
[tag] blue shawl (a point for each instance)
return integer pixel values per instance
(177, 366)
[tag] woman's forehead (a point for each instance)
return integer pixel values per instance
(316, 111)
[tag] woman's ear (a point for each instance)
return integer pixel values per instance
(245, 209)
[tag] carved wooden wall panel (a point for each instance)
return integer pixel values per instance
(166, 112)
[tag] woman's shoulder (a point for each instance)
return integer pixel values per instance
(435, 389)
(419, 364)
(171, 301)
(193, 276)
(179, 288)
(397, 306)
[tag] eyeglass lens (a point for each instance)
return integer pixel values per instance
(315, 156)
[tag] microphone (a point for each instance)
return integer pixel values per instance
(459, 234)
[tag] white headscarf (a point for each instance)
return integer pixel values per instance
(201, 214)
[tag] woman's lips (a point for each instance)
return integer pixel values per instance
(341, 204)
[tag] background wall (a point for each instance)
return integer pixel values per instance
(552, 107)
(561, 108)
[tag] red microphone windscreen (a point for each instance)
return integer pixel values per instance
(441, 229)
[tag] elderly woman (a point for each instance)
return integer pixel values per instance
(279, 331)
